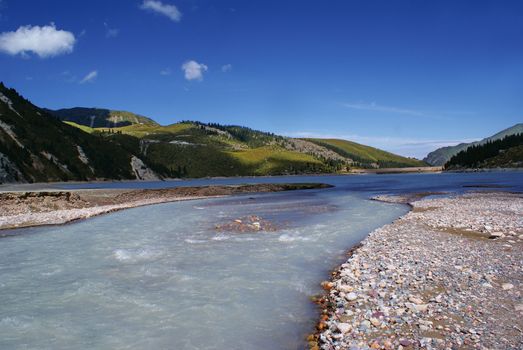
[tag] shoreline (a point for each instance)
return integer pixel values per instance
(448, 274)
(11, 187)
(22, 209)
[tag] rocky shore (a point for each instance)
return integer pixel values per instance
(447, 275)
(35, 208)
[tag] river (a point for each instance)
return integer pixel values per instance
(164, 276)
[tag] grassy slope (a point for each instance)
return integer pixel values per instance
(151, 131)
(188, 150)
(81, 127)
(366, 154)
(267, 160)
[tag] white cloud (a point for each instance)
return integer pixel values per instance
(194, 70)
(166, 71)
(46, 41)
(408, 147)
(90, 77)
(226, 68)
(165, 9)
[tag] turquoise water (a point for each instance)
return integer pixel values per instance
(163, 277)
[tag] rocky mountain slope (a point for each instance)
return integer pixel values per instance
(444, 154)
(37, 147)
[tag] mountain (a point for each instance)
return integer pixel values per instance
(501, 153)
(37, 147)
(99, 117)
(444, 154)
(195, 149)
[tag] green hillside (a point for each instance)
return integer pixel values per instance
(366, 156)
(266, 160)
(194, 149)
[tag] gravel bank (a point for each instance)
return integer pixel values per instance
(447, 275)
(23, 209)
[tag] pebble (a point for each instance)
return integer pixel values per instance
(375, 322)
(415, 300)
(344, 327)
(411, 279)
(507, 286)
(351, 296)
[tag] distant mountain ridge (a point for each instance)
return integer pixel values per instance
(100, 117)
(40, 145)
(444, 154)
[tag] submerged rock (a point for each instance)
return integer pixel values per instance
(248, 224)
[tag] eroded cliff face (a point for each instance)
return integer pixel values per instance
(141, 170)
(9, 172)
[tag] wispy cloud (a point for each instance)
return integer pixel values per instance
(90, 77)
(46, 41)
(408, 147)
(111, 32)
(226, 68)
(166, 71)
(168, 10)
(375, 107)
(194, 70)
(68, 76)
(388, 109)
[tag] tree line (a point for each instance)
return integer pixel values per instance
(476, 155)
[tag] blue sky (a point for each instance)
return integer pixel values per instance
(406, 76)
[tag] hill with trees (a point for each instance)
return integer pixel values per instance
(502, 153)
(444, 154)
(37, 147)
